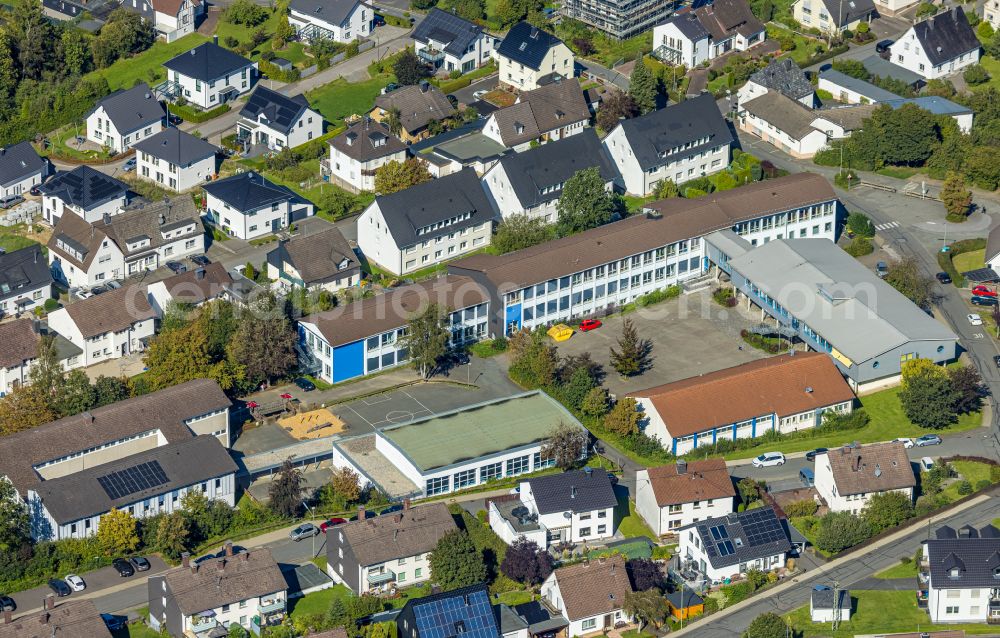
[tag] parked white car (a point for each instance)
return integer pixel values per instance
(975, 319)
(907, 443)
(75, 582)
(769, 459)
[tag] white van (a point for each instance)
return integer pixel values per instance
(926, 464)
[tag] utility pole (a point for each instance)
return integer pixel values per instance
(836, 606)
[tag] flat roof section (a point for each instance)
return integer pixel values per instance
(361, 451)
(472, 147)
(478, 431)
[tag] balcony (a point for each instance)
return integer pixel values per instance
(271, 606)
(201, 625)
(432, 56)
(381, 578)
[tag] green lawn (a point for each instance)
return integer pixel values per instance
(899, 570)
(805, 47)
(10, 241)
(517, 597)
(971, 471)
(317, 602)
(148, 65)
(877, 612)
(341, 98)
(899, 172)
(64, 144)
(294, 52)
(631, 525)
(973, 260)
(992, 66)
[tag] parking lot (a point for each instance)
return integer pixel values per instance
(691, 335)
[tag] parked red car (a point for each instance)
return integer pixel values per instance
(983, 291)
(333, 522)
(590, 324)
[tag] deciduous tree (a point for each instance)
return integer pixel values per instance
(969, 388)
(839, 530)
(23, 408)
(927, 395)
(526, 563)
(520, 231)
(646, 606)
(118, 533)
(585, 203)
(108, 390)
(14, 519)
(246, 13)
(285, 491)
(565, 444)
(861, 225)
(666, 189)
(767, 625)
(427, 339)
(905, 276)
(172, 535)
(395, 176)
(263, 346)
(623, 419)
(408, 68)
(633, 355)
(75, 395)
(455, 561)
(955, 196)
(645, 574)
(345, 482)
(886, 510)
(595, 403)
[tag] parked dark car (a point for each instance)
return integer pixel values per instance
(882, 48)
(123, 567)
(984, 301)
(201, 260)
(176, 267)
(140, 563)
(305, 384)
(996, 360)
(59, 587)
(379, 20)
(113, 622)
(812, 454)
(943, 277)
(36, 190)
(7, 604)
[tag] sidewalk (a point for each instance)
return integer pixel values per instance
(343, 391)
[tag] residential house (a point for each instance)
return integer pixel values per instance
(278, 121)
(961, 569)
(571, 507)
(686, 414)
(245, 589)
(21, 169)
(937, 46)
(938, 105)
(143, 237)
(191, 288)
(338, 20)
(248, 206)
(125, 117)
(366, 336)
(172, 19)
(678, 143)
(359, 151)
(530, 58)
(371, 555)
(176, 160)
(426, 224)
(450, 43)
(992, 254)
(551, 112)
(74, 450)
(619, 19)
(850, 90)
(320, 261)
(84, 191)
(209, 75)
(732, 25)
(991, 13)
(670, 497)
(832, 307)
(590, 595)
(541, 620)
(19, 341)
(793, 128)
(78, 618)
(726, 546)
(461, 147)
(782, 76)
(847, 477)
(833, 16)
(603, 268)
(827, 604)
(419, 106)
(466, 609)
(25, 281)
(682, 39)
(108, 326)
(530, 183)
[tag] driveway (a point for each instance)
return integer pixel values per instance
(466, 95)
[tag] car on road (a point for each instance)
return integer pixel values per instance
(996, 360)
(983, 291)
(123, 567)
(59, 587)
(10, 201)
(460, 358)
(807, 477)
(882, 48)
(113, 622)
(201, 260)
(140, 563)
(943, 277)
(333, 522)
(769, 459)
(75, 582)
(7, 604)
(812, 454)
(881, 269)
(590, 324)
(113, 285)
(177, 267)
(928, 439)
(480, 94)
(984, 301)
(974, 319)
(907, 442)
(129, 166)
(306, 530)
(305, 384)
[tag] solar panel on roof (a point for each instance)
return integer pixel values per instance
(133, 479)
(469, 615)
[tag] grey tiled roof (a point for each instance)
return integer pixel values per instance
(368, 140)
(946, 36)
(132, 109)
(177, 147)
(449, 29)
(785, 76)
(207, 62)
(848, 11)
(689, 25)
(330, 11)
(318, 258)
(398, 534)
(280, 112)
(824, 599)
(960, 563)
(576, 491)
(418, 105)
(656, 133)
(248, 191)
(23, 271)
(19, 161)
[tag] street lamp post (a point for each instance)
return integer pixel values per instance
(313, 537)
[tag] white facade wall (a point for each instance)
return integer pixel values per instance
(104, 347)
(680, 169)
(685, 51)
(948, 606)
(751, 89)
(174, 177)
(54, 208)
(24, 185)
(579, 527)
(666, 520)
(107, 264)
(360, 175)
(177, 26)
(357, 25)
(842, 93)
(558, 59)
(249, 224)
(826, 615)
(509, 535)
(813, 14)
(492, 130)
(691, 549)
(475, 55)
(501, 194)
(826, 487)
(802, 147)
(207, 95)
(36, 298)
(908, 53)
(101, 130)
(308, 126)
(552, 594)
(991, 13)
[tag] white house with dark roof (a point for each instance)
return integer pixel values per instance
(531, 182)
(427, 224)
(725, 546)
(573, 507)
(672, 496)
(278, 121)
(320, 261)
(938, 46)
(248, 206)
(991, 13)
(25, 280)
(21, 168)
(209, 75)
(962, 568)
(530, 58)
(678, 143)
(682, 39)
(705, 33)
(833, 16)
(126, 117)
(451, 43)
(193, 288)
(783, 76)
(85, 192)
(359, 151)
(175, 159)
(550, 112)
(337, 20)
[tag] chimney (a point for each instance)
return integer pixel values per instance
(194, 568)
(45, 617)
(245, 555)
(215, 39)
(857, 463)
(221, 564)
(361, 512)
(50, 602)
(229, 548)
(682, 467)
(88, 417)
(107, 219)
(199, 275)
(8, 615)
(185, 559)
(406, 504)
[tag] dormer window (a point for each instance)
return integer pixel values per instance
(955, 572)
(996, 572)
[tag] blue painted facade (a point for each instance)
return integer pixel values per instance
(348, 361)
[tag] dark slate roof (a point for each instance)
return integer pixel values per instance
(785, 76)
(689, 25)
(552, 163)
(824, 599)
(131, 109)
(508, 620)
(22, 271)
(655, 134)
(433, 201)
(329, 11)
(278, 111)
(465, 611)
(19, 161)
(318, 258)
(527, 45)
(85, 187)
(742, 537)
(577, 491)
(80, 494)
(848, 11)
(455, 33)
(946, 36)
(977, 561)
(248, 191)
(539, 618)
(207, 62)
(177, 147)
(368, 140)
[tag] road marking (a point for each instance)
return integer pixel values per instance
(378, 398)
(417, 402)
(370, 424)
(979, 335)
(887, 226)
